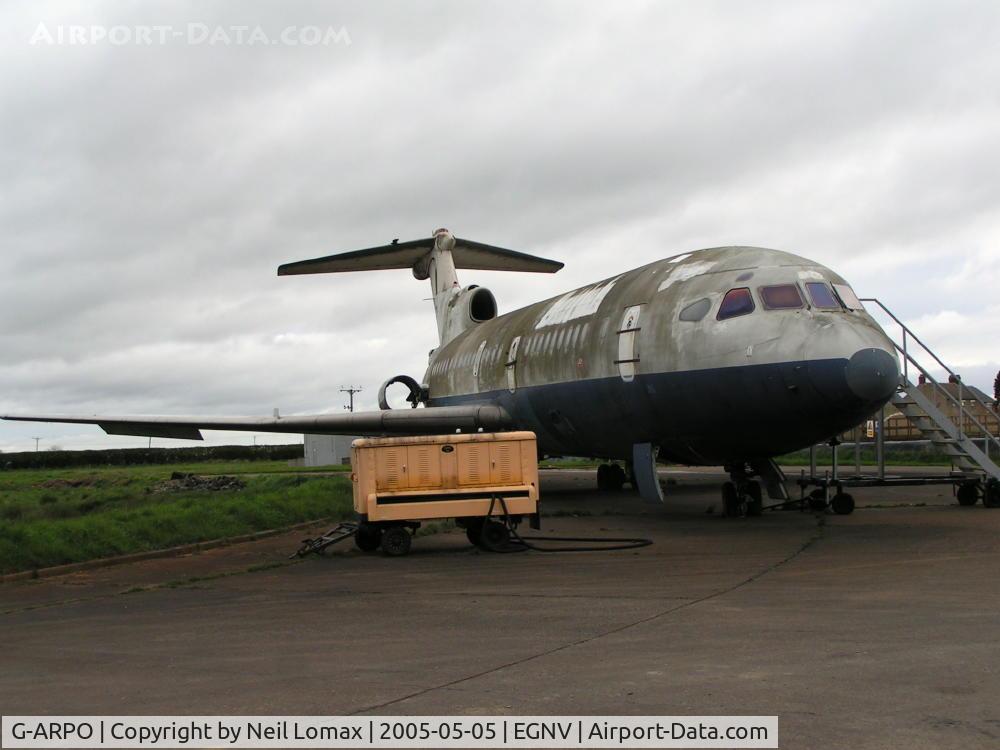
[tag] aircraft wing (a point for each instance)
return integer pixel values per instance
(423, 421)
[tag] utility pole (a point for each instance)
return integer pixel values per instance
(350, 391)
(254, 441)
(36, 443)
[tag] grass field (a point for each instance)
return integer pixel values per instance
(845, 457)
(55, 516)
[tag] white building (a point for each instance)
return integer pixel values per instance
(328, 450)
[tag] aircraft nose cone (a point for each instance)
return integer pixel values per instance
(872, 375)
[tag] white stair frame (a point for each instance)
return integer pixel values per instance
(967, 458)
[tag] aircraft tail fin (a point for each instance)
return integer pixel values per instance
(415, 254)
(435, 258)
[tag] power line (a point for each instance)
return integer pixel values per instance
(350, 391)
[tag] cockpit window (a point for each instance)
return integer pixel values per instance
(821, 296)
(848, 297)
(696, 310)
(736, 302)
(781, 297)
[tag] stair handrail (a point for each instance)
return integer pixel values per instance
(963, 415)
(907, 330)
(986, 434)
(907, 357)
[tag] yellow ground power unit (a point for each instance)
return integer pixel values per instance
(399, 482)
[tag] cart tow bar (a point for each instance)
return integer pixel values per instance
(337, 534)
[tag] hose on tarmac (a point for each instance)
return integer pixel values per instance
(518, 543)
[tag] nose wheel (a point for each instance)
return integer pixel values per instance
(742, 498)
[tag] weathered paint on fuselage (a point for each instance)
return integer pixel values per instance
(707, 391)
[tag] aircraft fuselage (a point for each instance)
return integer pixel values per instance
(644, 357)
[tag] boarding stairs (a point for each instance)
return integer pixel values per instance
(967, 458)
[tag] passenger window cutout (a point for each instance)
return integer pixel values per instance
(848, 297)
(821, 296)
(696, 310)
(736, 302)
(781, 297)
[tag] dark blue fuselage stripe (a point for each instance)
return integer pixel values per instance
(696, 416)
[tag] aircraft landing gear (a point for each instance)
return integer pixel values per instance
(610, 477)
(968, 493)
(817, 500)
(842, 504)
(991, 494)
(742, 498)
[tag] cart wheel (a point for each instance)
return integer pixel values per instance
(842, 504)
(368, 537)
(494, 535)
(396, 541)
(474, 532)
(816, 501)
(968, 493)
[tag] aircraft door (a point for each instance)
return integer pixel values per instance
(628, 353)
(476, 362)
(512, 364)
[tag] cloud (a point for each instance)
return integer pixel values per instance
(148, 193)
(961, 340)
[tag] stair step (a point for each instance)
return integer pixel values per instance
(930, 428)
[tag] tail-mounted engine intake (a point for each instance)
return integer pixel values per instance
(417, 395)
(477, 304)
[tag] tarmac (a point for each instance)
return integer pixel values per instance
(876, 630)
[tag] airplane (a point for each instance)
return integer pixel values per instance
(724, 356)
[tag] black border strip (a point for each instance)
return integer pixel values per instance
(397, 499)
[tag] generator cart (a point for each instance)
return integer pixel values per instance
(487, 482)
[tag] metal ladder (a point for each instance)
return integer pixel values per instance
(967, 458)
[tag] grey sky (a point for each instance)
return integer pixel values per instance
(148, 192)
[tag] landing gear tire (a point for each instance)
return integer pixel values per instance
(396, 541)
(968, 494)
(610, 477)
(842, 504)
(754, 499)
(494, 535)
(991, 494)
(730, 500)
(602, 476)
(368, 537)
(817, 503)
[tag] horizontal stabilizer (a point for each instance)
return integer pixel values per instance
(466, 254)
(423, 421)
